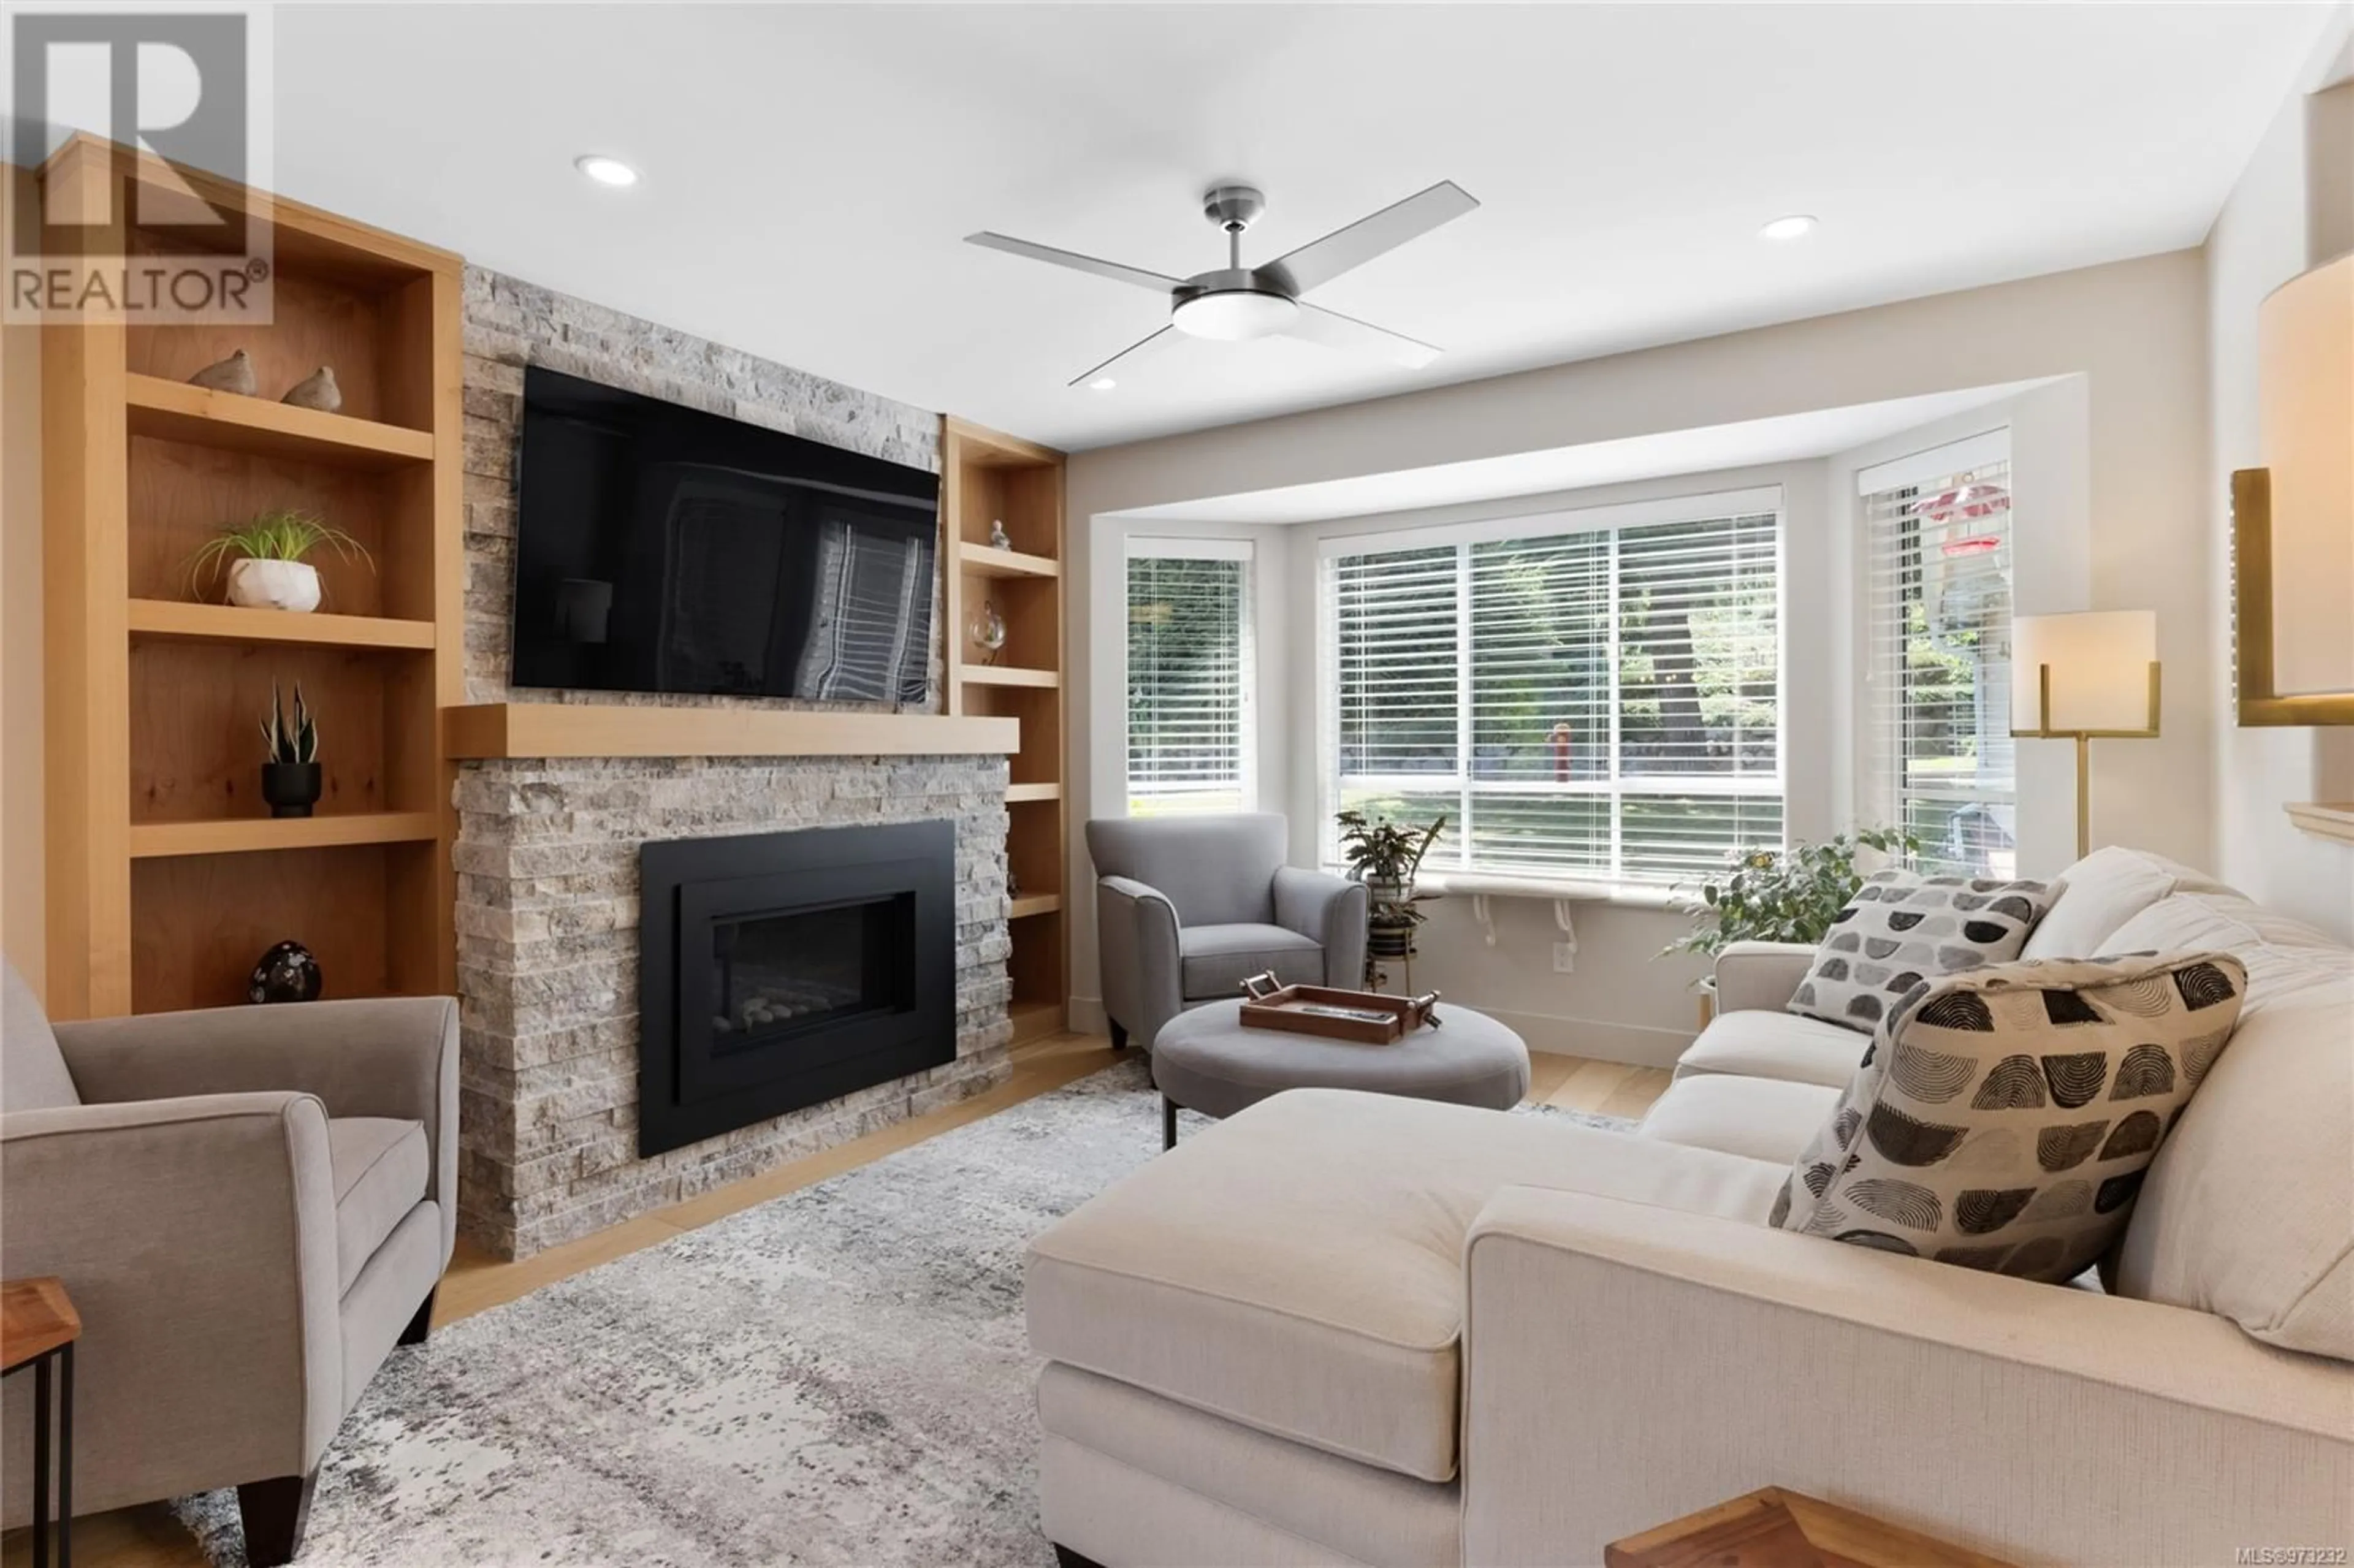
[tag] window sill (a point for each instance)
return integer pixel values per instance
(1494, 884)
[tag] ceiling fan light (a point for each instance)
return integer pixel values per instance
(1230, 315)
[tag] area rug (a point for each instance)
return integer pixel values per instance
(838, 1376)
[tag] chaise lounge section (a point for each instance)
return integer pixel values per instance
(1348, 1328)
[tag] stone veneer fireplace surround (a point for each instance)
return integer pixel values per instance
(548, 848)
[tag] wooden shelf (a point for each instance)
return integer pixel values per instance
(255, 834)
(2333, 820)
(234, 623)
(1017, 793)
(1035, 904)
(984, 561)
(613, 729)
(1011, 675)
(176, 411)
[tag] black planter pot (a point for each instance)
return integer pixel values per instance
(1388, 941)
(290, 788)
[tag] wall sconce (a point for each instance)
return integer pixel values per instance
(2086, 677)
(2293, 520)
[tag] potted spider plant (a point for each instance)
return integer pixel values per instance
(264, 559)
(289, 771)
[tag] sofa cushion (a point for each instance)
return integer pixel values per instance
(1215, 961)
(2101, 892)
(1757, 1044)
(2248, 1210)
(2003, 1119)
(1757, 1118)
(1292, 1269)
(33, 1075)
(1903, 928)
(380, 1164)
(2284, 957)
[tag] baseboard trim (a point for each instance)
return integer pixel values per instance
(1088, 1016)
(1635, 1044)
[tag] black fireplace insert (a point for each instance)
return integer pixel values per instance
(780, 971)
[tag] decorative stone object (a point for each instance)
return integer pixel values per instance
(998, 537)
(287, 973)
(234, 373)
(317, 390)
(1902, 928)
(2003, 1118)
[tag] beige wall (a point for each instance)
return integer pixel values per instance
(21, 853)
(2293, 207)
(2129, 337)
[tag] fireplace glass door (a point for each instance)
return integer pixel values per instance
(790, 971)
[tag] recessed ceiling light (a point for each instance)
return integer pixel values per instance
(1102, 384)
(1797, 225)
(604, 170)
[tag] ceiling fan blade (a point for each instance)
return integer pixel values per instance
(1128, 358)
(1321, 260)
(1350, 335)
(1076, 262)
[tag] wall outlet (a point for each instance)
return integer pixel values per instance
(1564, 958)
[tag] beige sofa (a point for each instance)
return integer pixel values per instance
(1339, 1328)
(249, 1206)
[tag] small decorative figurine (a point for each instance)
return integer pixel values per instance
(999, 539)
(234, 373)
(287, 973)
(317, 390)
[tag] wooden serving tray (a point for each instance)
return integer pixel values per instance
(1367, 1017)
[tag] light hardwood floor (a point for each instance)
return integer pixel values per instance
(149, 1537)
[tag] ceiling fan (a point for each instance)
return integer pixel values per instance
(1235, 301)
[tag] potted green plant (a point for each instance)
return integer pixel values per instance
(1781, 895)
(1385, 856)
(289, 771)
(264, 557)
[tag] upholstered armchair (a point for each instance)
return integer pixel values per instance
(249, 1206)
(1187, 906)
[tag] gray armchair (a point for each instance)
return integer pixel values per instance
(251, 1206)
(1187, 906)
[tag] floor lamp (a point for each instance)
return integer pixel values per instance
(2085, 677)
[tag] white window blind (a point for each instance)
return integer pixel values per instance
(1588, 703)
(1189, 677)
(1937, 618)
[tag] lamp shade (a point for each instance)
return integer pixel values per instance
(2099, 661)
(2306, 393)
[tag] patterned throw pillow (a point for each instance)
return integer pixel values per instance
(1902, 928)
(2003, 1118)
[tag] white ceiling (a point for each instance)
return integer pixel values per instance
(810, 171)
(1710, 448)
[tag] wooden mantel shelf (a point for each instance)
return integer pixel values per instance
(614, 729)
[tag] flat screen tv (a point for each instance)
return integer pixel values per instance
(659, 548)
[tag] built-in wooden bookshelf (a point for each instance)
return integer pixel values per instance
(988, 479)
(167, 876)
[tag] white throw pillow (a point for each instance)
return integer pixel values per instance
(2004, 1118)
(1902, 928)
(2099, 894)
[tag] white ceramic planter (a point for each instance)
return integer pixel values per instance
(274, 585)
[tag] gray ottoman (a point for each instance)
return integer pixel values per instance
(1205, 1060)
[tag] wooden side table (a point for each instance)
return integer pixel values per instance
(1774, 1529)
(39, 1327)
